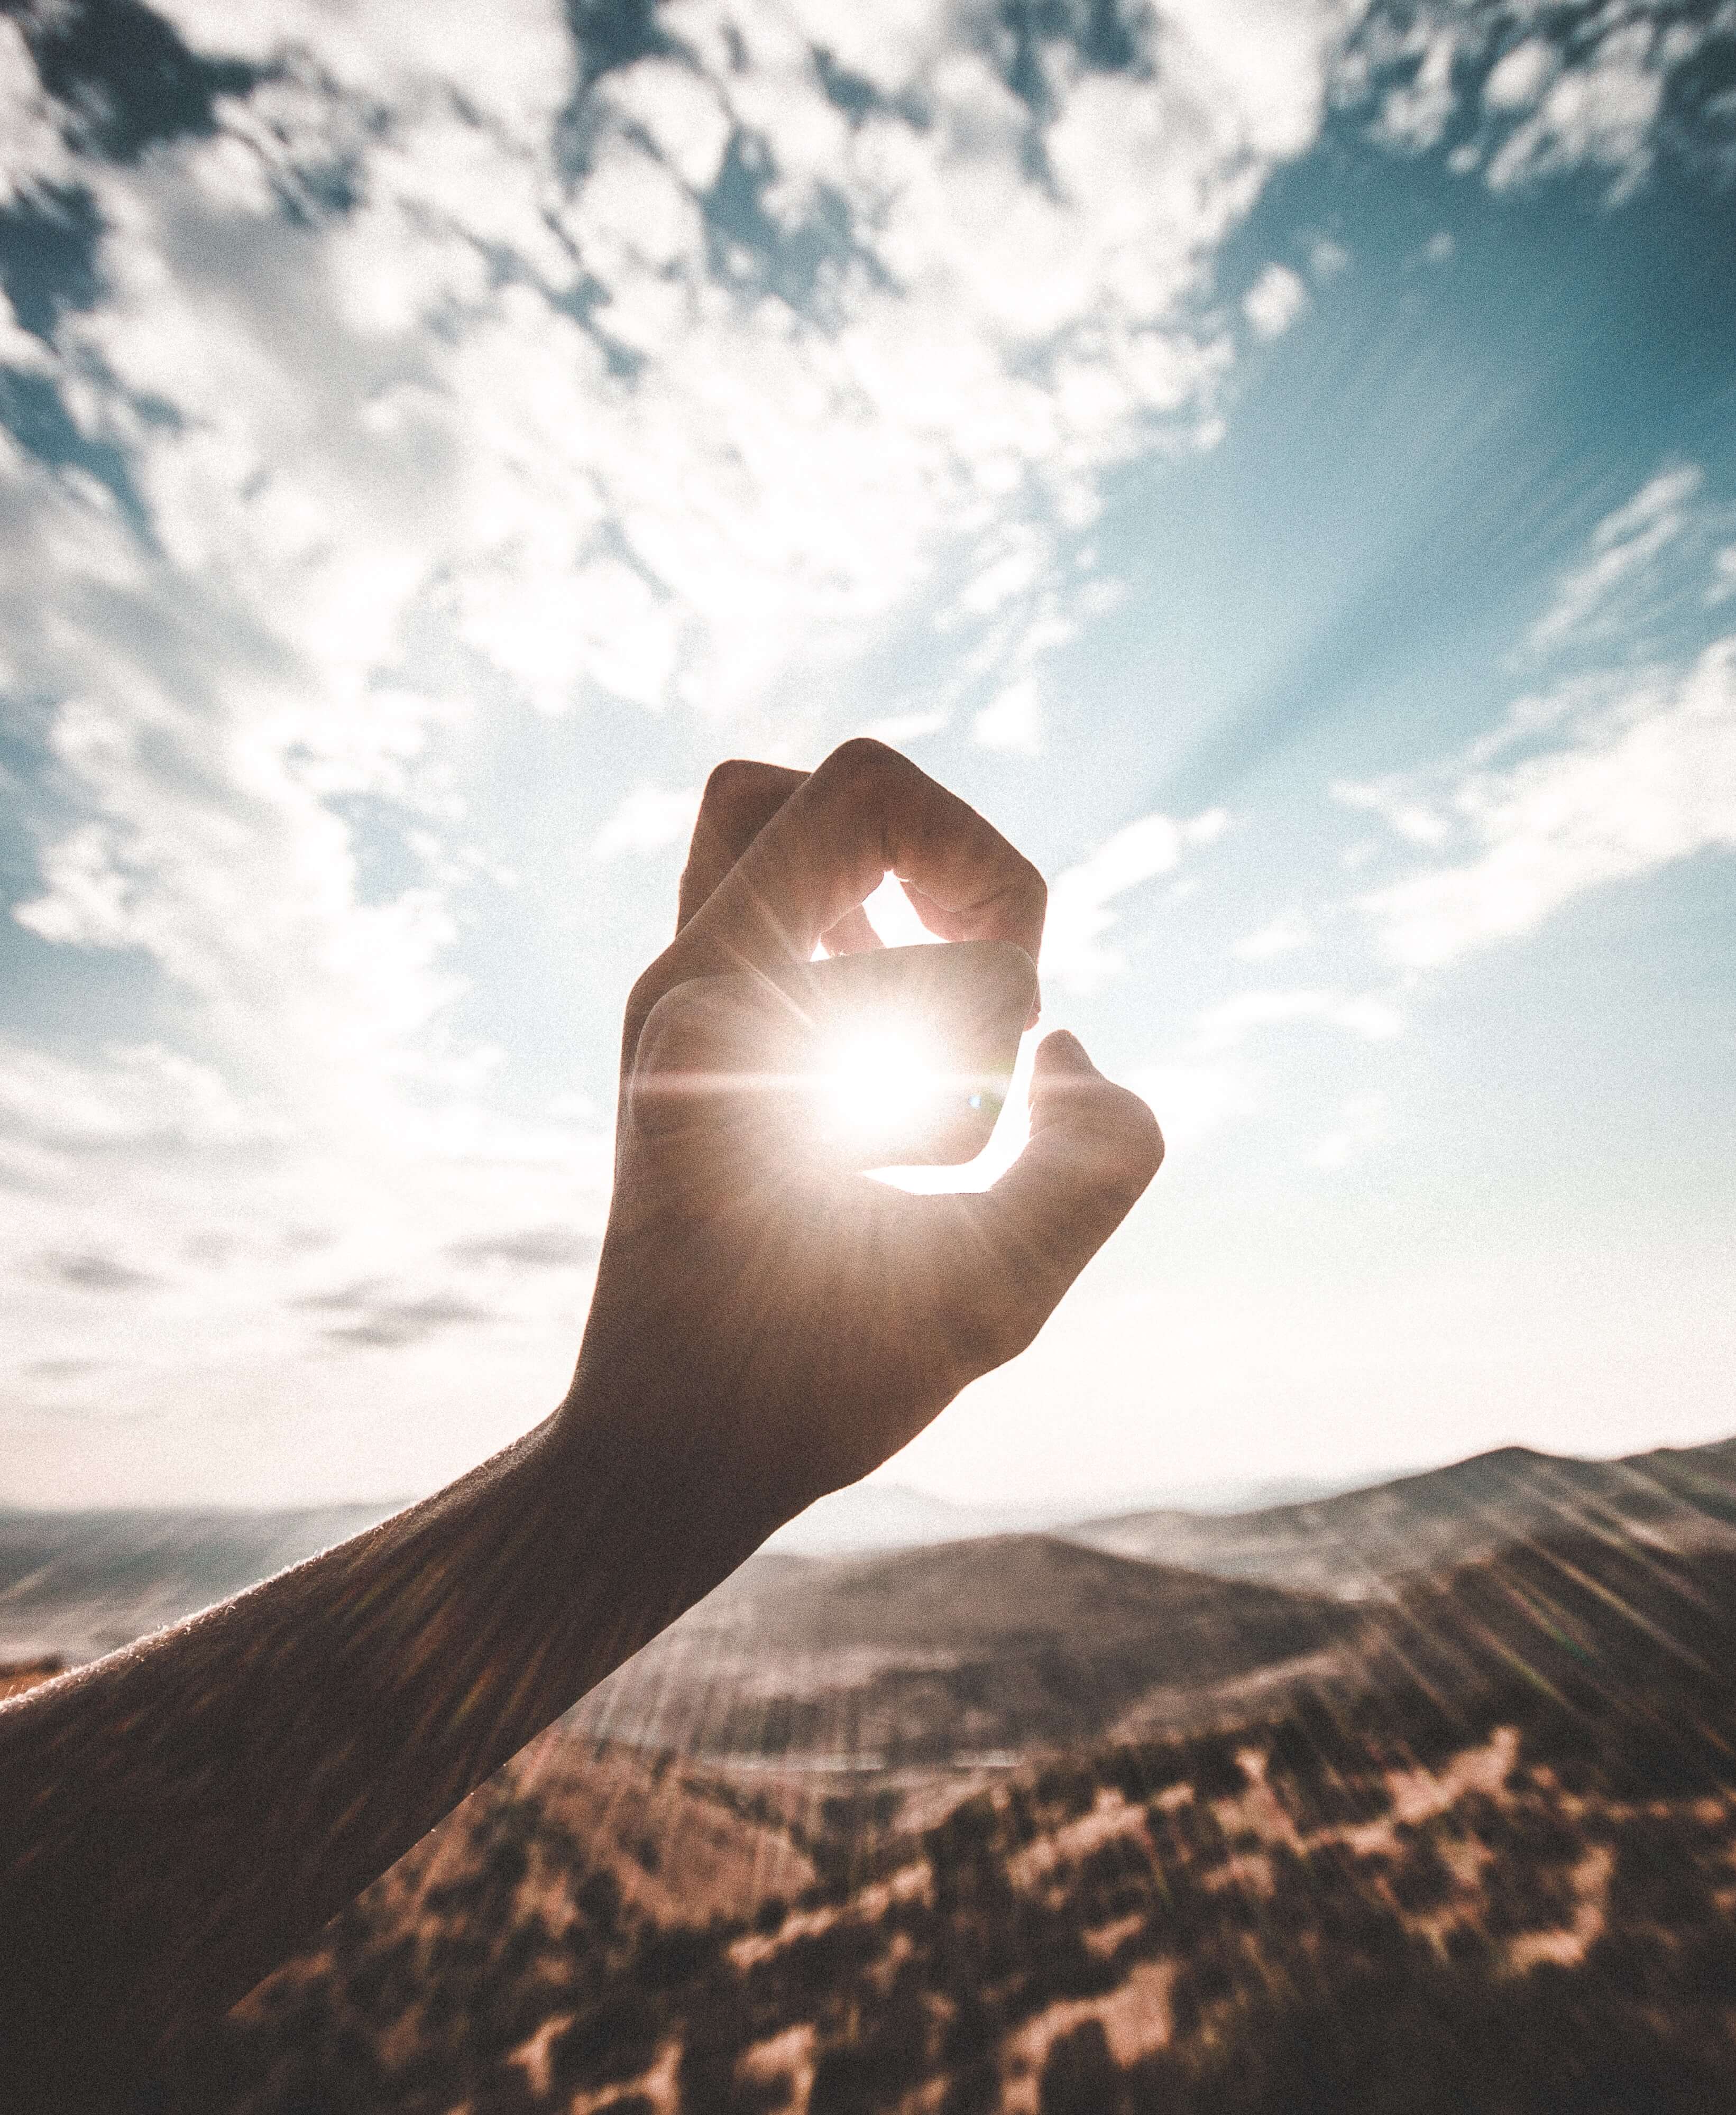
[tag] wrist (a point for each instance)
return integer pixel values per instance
(664, 1476)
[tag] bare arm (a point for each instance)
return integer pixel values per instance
(176, 1818)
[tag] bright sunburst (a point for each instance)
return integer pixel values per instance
(874, 1084)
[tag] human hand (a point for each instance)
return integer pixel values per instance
(779, 1326)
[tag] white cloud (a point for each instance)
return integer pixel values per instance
(33, 153)
(520, 426)
(1601, 113)
(1265, 54)
(1629, 788)
(1521, 76)
(1074, 954)
(1014, 721)
(1724, 576)
(1228, 1024)
(1399, 805)
(896, 728)
(1283, 936)
(1547, 108)
(1191, 1101)
(1274, 300)
(649, 819)
(143, 1096)
(1624, 545)
(1364, 1122)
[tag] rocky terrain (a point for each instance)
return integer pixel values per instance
(1435, 1811)
(1521, 1905)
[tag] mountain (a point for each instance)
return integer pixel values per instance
(1360, 1542)
(986, 1647)
(1019, 1823)
(874, 1516)
(1319, 1907)
(80, 1584)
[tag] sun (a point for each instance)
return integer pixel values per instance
(875, 1084)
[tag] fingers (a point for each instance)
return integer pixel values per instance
(740, 799)
(725, 1056)
(866, 810)
(1094, 1148)
(706, 1059)
(853, 934)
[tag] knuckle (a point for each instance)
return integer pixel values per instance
(730, 783)
(671, 1018)
(862, 765)
(649, 986)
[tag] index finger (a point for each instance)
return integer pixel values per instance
(865, 812)
(740, 798)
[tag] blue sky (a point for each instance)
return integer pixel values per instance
(1279, 461)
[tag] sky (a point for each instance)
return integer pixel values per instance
(1276, 458)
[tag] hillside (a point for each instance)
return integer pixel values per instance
(1358, 1544)
(81, 1583)
(996, 1646)
(1018, 1826)
(1199, 1926)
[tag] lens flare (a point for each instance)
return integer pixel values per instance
(876, 1083)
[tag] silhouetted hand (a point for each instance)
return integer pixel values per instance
(780, 1326)
(177, 1817)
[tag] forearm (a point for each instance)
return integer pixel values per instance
(178, 1817)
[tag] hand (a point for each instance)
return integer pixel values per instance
(779, 1327)
(177, 1817)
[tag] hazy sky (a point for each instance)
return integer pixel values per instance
(1279, 461)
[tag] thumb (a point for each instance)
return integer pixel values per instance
(1094, 1148)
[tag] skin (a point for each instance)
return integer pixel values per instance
(177, 1818)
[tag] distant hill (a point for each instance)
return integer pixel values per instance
(976, 1652)
(991, 1646)
(876, 1516)
(80, 1584)
(1361, 1542)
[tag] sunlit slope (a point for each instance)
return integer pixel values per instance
(1359, 1541)
(1530, 1909)
(951, 1653)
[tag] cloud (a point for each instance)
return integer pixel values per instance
(1283, 936)
(1627, 787)
(1602, 90)
(1073, 953)
(1274, 300)
(89, 1271)
(1724, 576)
(649, 819)
(398, 385)
(1191, 1100)
(1623, 547)
(1225, 1026)
(386, 1321)
(1365, 1121)
(399, 350)
(532, 1248)
(898, 728)
(1014, 720)
(144, 1096)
